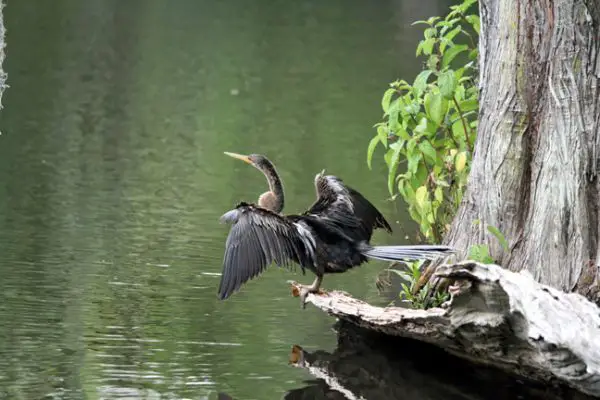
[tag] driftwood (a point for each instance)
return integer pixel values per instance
(498, 318)
(372, 365)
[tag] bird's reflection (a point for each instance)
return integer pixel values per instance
(368, 365)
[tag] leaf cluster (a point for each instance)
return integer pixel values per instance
(421, 298)
(429, 126)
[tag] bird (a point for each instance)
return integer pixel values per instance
(332, 236)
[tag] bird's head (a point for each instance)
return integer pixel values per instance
(272, 199)
(256, 160)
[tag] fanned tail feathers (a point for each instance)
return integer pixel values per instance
(401, 253)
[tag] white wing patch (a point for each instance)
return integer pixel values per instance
(307, 238)
(230, 216)
(340, 190)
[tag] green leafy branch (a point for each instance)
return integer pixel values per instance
(429, 126)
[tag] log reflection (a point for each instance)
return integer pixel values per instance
(369, 365)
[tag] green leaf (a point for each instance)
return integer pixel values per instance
(382, 134)
(420, 22)
(430, 33)
(427, 46)
(473, 54)
(410, 147)
(421, 196)
(481, 253)
(458, 130)
(413, 162)
(401, 189)
(402, 274)
(447, 83)
(431, 20)
(451, 54)
(405, 289)
(427, 149)
(469, 105)
(496, 232)
(425, 227)
(410, 192)
(371, 149)
(421, 82)
(459, 92)
(435, 107)
(412, 108)
(414, 213)
(474, 21)
(452, 34)
(430, 218)
(393, 114)
(422, 126)
(476, 252)
(387, 157)
(401, 133)
(422, 173)
(461, 161)
(393, 167)
(432, 62)
(439, 194)
(387, 98)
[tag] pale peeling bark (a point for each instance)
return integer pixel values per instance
(496, 317)
(534, 174)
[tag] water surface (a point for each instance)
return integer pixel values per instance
(113, 180)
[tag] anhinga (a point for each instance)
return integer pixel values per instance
(332, 236)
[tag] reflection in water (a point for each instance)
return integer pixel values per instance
(113, 179)
(369, 365)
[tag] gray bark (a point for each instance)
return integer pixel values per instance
(535, 166)
(499, 318)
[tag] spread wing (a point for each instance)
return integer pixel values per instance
(259, 237)
(346, 208)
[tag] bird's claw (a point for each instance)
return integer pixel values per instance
(302, 291)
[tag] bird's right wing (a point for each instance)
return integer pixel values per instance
(346, 208)
(333, 201)
(259, 237)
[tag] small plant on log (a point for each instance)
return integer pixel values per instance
(417, 298)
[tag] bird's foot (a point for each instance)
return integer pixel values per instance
(302, 291)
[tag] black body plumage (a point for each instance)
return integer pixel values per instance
(332, 236)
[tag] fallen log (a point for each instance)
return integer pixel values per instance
(498, 318)
(372, 365)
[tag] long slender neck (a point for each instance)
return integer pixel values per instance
(274, 199)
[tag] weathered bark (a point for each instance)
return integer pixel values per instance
(499, 318)
(534, 173)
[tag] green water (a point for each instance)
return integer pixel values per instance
(113, 180)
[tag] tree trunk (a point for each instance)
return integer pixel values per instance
(534, 174)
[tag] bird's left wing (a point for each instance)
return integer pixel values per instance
(259, 237)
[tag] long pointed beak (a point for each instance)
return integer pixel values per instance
(242, 157)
